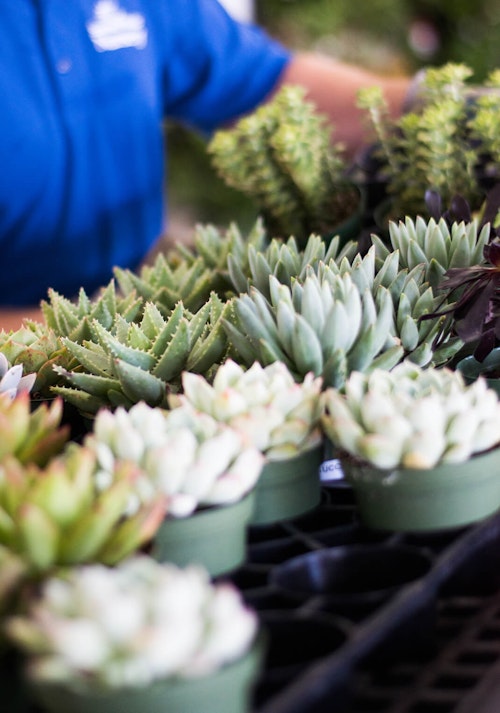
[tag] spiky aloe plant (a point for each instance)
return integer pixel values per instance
(434, 244)
(428, 147)
(72, 318)
(412, 417)
(97, 629)
(130, 362)
(282, 156)
(190, 275)
(57, 515)
(341, 318)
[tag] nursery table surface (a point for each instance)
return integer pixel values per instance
(365, 621)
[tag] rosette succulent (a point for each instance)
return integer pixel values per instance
(31, 435)
(341, 317)
(434, 244)
(273, 412)
(57, 515)
(72, 318)
(285, 260)
(189, 458)
(96, 628)
(190, 275)
(12, 381)
(412, 417)
(130, 362)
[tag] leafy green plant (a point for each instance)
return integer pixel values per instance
(283, 157)
(429, 147)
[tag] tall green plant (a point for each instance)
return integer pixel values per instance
(428, 147)
(282, 156)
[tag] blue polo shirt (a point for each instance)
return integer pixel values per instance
(85, 86)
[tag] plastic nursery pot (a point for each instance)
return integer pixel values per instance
(350, 580)
(214, 537)
(225, 691)
(471, 369)
(288, 488)
(449, 495)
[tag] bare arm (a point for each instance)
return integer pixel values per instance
(11, 319)
(333, 85)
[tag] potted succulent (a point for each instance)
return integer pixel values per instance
(63, 513)
(123, 361)
(141, 636)
(419, 446)
(438, 144)
(278, 416)
(204, 469)
(282, 157)
(341, 317)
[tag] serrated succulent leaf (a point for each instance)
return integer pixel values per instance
(139, 385)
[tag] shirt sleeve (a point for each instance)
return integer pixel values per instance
(214, 68)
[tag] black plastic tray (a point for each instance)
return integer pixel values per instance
(364, 621)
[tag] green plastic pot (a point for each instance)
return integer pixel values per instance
(471, 368)
(288, 488)
(449, 495)
(226, 691)
(214, 537)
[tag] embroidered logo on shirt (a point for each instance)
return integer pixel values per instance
(112, 28)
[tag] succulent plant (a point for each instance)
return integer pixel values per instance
(428, 147)
(31, 435)
(129, 362)
(14, 574)
(284, 260)
(72, 318)
(273, 412)
(282, 156)
(98, 628)
(57, 515)
(12, 381)
(36, 348)
(190, 275)
(344, 317)
(435, 244)
(189, 458)
(412, 417)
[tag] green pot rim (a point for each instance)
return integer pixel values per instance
(449, 495)
(288, 488)
(214, 537)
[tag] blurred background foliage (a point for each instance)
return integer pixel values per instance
(389, 36)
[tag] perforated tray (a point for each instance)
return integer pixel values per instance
(361, 621)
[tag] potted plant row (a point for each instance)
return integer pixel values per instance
(199, 375)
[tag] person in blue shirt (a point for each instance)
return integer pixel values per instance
(86, 86)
